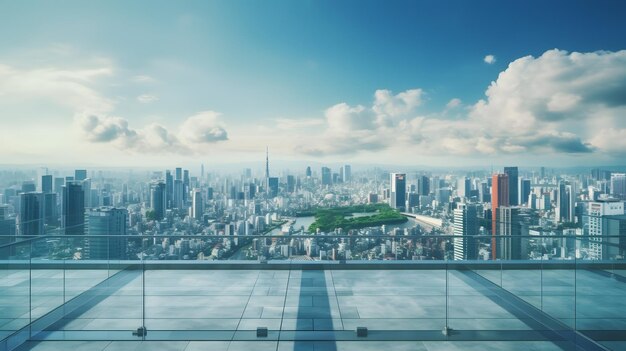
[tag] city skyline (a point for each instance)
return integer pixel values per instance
(218, 82)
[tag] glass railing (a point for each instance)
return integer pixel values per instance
(562, 289)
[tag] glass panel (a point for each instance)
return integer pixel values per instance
(14, 288)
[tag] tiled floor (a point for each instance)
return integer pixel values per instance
(223, 302)
(290, 345)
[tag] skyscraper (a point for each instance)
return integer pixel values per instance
(58, 185)
(179, 173)
(169, 189)
(512, 172)
(397, 198)
(158, 199)
(308, 172)
(186, 185)
(197, 208)
(499, 198)
(347, 173)
(267, 163)
(464, 229)
(110, 223)
(618, 185)
(564, 210)
(604, 223)
(464, 187)
(423, 185)
(31, 219)
(50, 209)
(509, 231)
(291, 183)
(80, 174)
(73, 214)
(272, 187)
(326, 176)
(524, 190)
(179, 188)
(46, 183)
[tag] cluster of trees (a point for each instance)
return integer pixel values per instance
(328, 219)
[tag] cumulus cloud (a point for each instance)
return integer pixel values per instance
(453, 103)
(147, 98)
(489, 59)
(198, 130)
(557, 103)
(385, 103)
(77, 91)
(203, 127)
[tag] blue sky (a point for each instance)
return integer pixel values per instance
(253, 73)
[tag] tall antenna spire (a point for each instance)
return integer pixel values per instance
(267, 163)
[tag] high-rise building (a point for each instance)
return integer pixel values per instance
(158, 199)
(197, 206)
(73, 214)
(179, 189)
(87, 191)
(179, 173)
(509, 231)
(524, 190)
(326, 176)
(272, 187)
(604, 223)
(7, 225)
(565, 203)
(46, 183)
(618, 185)
(80, 174)
(464, 229)
(512, 172)
(50, 209)
(58, 185)
(347, 173)
(499, 198)
(169, 189)
(423, 185)
(267, 162)
(29, 187)
(31, 219)
(464, 187)
(397, 198)
(105, 227)
(308, 172)
(291, 183)
(186, 185)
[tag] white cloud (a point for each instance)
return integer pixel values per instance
(557, 103)
(195, 132)
(453, 103)
(72, 88)
(489, 59)
(385, 103)
(147, 98)
(203, 127)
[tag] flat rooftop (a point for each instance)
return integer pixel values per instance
(315, 309)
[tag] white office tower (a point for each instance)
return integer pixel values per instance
(464, 228)
(618, 185)
(347, 173)
(603, 218)
(197, 204)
